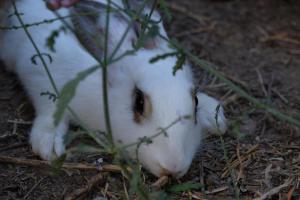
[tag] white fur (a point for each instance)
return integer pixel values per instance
(170, 95)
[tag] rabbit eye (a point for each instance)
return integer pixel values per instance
(142, 107)
(139, 102)
(196, 108)
(138, 105)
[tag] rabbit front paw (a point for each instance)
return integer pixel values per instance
(47, 140)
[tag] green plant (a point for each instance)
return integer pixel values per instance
(106, 145)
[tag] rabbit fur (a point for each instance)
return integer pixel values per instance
(170, 96)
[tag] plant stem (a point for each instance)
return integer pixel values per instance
(129, 27)
(52, 82)
(208, 67)
(36, 48)
(104, 78)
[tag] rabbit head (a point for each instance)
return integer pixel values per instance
(145, 99)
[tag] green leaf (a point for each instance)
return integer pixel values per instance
(179, 63)
(85, 148)
(136, 184)
(67, 93)
(162, 56)
(159, 195)
(58, 162)
(163, 6)
(184, 187)
(153, 31)
(72, 135)
(135, 180)
(50, 42)
(145, 140)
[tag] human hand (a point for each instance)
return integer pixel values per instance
(56, 4)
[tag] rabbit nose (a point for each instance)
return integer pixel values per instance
(172, 165)
(175, 172)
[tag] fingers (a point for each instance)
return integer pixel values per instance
(68, 3)
(56, 4)
(53, 4)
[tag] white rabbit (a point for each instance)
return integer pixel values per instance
(143, 97)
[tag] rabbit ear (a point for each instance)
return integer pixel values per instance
(210, 114)
(89, 21)
(155, 27)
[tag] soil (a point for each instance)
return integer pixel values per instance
(256, 44)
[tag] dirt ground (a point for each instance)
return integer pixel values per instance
(256, 44)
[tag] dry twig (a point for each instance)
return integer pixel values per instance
(81, 192)
(281, 37)
(19, 121)
(198, 196)
(195, 31)
(275, 190)
(241, 170)
(187, 12)
(160, 182)
(201, 175)
(230, 99)
(33, 188)
(285, 100)
(242, 158)
(14, 146)
(217, 190)
(68, 166)
(261, 81)
(290, 193)
(268, 177)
